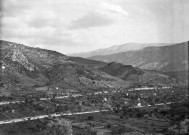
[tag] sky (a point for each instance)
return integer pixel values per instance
(70, 26)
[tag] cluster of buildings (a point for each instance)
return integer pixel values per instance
(150, 88)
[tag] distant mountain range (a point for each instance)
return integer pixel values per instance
(164, 58)
(117, 49)
(25, 68)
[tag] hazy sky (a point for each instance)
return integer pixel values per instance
(71, 26)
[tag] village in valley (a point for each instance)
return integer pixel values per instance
(141, 110)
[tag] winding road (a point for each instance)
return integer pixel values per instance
(66, 114)
(46, 116)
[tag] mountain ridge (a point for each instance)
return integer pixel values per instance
(165, 58)
(117, 49)
(26, 68)
(138, 76)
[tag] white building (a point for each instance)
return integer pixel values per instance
(139, 104)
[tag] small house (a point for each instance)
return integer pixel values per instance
(45, 88)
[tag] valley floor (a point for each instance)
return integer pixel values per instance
(102, 113)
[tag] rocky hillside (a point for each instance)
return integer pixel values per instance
(165, 58)
(136, 76)
(116, 49)
(24, 68)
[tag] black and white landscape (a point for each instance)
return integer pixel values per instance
(95, 67)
